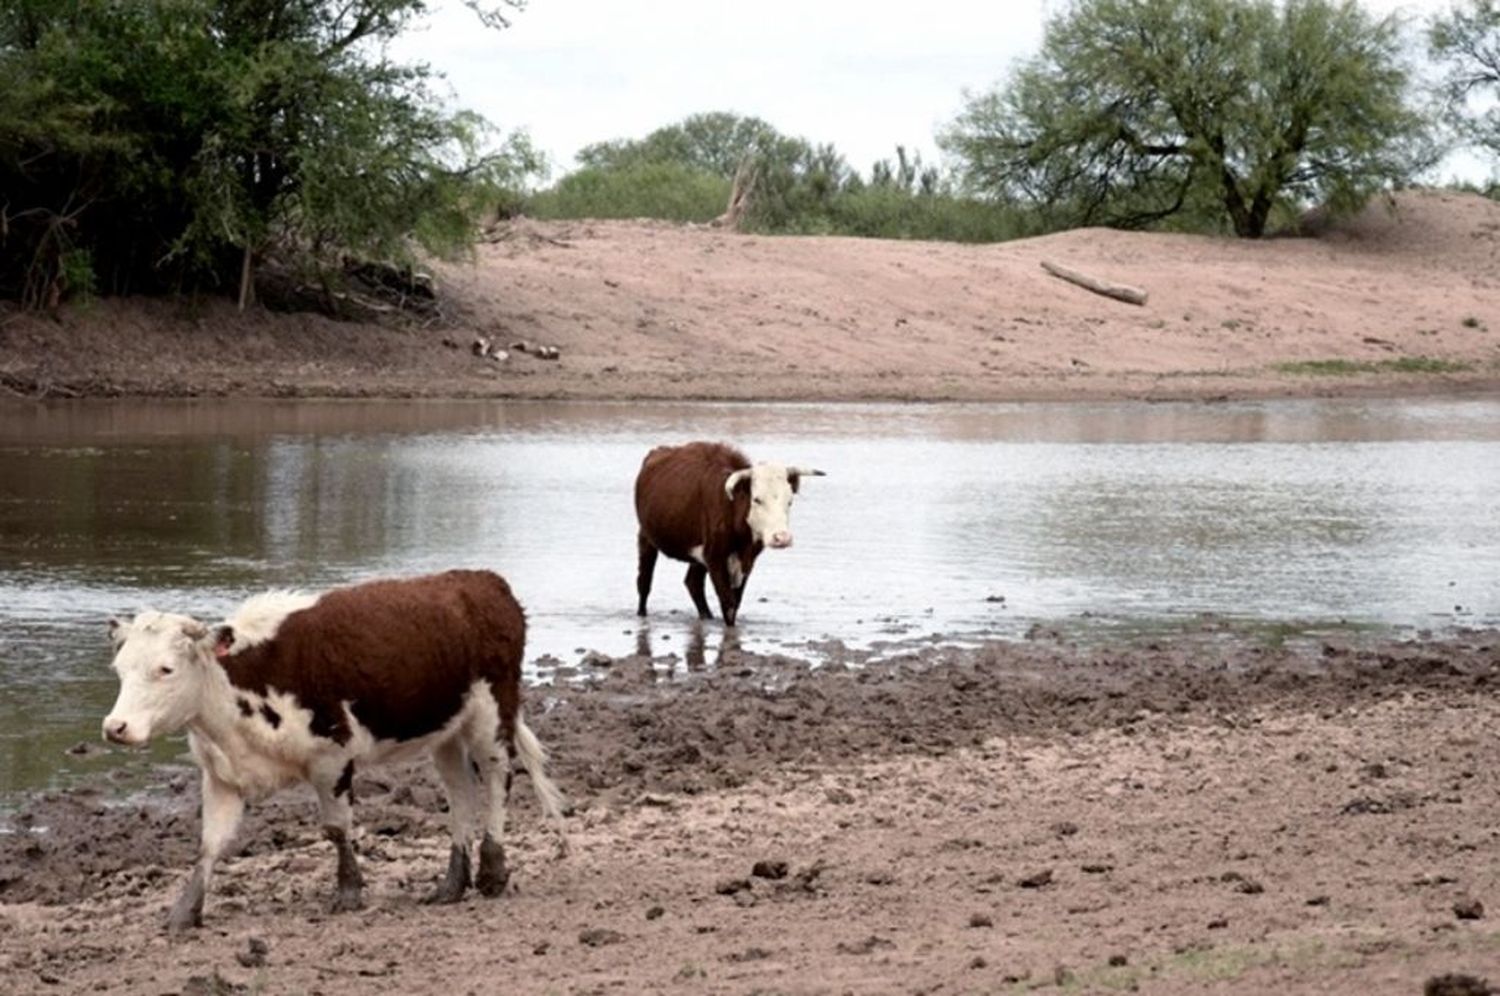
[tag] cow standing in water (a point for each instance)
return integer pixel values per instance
(300, 687)
(705, 504)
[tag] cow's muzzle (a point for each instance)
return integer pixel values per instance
(780, 541)
(117, 731)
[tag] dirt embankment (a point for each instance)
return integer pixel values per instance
(1216, 815)
(1404, 296)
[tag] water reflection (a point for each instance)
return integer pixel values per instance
(963, 519)
(704, 644)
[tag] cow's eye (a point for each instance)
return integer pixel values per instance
(757, 501)
(163, 671)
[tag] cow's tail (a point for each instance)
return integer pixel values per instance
(533, 757)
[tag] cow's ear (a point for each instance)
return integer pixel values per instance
(117, 630)
(194, 630)
(223, 639)
(734, 480)
(794, 476)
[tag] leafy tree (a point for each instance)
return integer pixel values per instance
(1138, 110)
(715, 142)
(791, 175)
(1467, 41)
(164, 144)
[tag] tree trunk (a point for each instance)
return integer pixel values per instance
(1120, 292)
(247, 278)
(740, 192)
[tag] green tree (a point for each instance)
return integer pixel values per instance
(1467, 42)
(1138, 110)
(792, 176)
(166, 144)
(715, 142)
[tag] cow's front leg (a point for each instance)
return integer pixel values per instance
(222, 809)
(695, 575)
(741, 578)
(335, 790)
(724, 587)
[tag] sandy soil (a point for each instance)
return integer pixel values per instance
(1224, 814)
(648, 310)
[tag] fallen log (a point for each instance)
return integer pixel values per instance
(1120, 292)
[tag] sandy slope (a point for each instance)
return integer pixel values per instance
(643, 309)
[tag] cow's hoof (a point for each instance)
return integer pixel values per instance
(347, 901)
(456, 882)
(177, 925)
(445, 894)
(493, 875)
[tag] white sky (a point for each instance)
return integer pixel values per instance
(862, 75)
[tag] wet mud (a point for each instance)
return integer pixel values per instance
(995, 818)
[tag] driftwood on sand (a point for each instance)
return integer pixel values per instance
(1120, 292)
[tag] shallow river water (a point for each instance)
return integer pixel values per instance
(959, 521)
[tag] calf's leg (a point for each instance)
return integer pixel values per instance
(452, 762)
(489, 745)
(222, 809)
(336, 810)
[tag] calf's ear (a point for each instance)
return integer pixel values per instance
(117, 630)
(223, 639)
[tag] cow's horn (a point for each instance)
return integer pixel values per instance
(733, 480)
(804, 472)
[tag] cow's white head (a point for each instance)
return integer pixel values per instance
(770, 487)
(161, 659)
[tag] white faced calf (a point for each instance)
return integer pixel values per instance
(705, 504)
(304, 688)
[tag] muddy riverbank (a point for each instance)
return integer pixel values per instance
(1213, 811)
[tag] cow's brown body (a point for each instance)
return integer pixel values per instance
(403, 653)
(685, 514)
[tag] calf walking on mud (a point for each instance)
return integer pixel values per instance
(703, 503)
(298, 687)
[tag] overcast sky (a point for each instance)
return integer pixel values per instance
(864, 76)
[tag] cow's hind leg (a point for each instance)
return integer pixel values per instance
(452, 762)
(489, 745)
(335, 790)
(645, 570)
(696, 575)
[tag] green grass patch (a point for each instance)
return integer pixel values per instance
(1349, 368)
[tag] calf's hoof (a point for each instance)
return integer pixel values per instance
(456, 882)
(493, 875)
(347, 901)
(187, 911)
(182, 923)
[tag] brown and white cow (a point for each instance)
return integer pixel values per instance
(704, 503)
(295, 687)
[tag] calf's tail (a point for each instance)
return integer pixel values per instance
(533, 757)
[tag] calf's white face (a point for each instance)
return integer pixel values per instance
(158, 659)
(772, 487)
